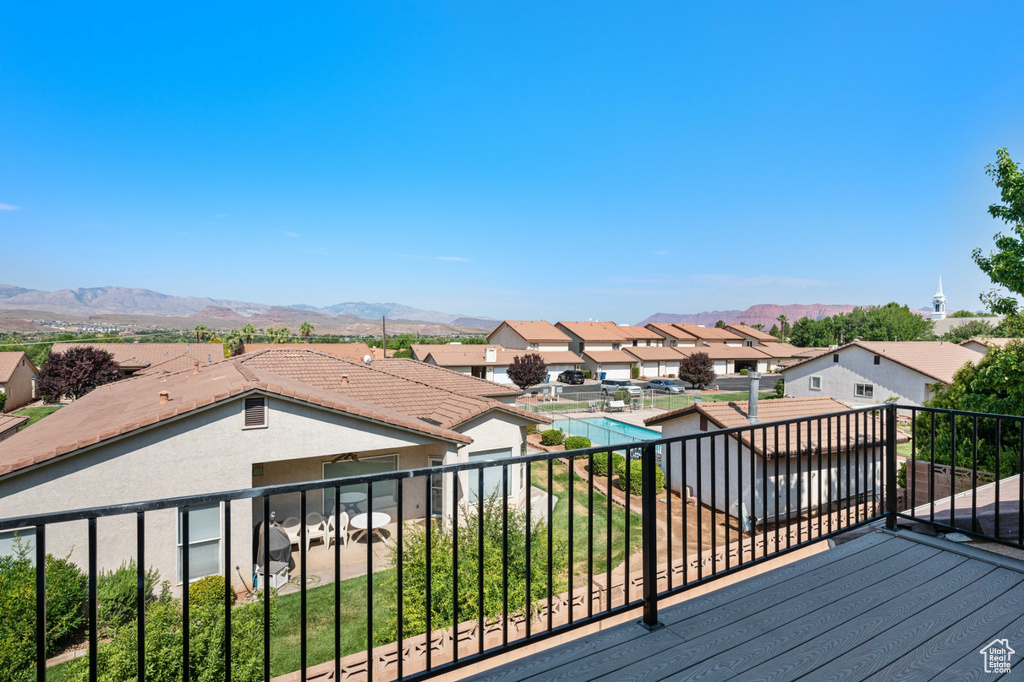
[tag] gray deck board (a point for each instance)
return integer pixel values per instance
(881, 607)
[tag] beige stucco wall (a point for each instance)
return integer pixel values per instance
(20, 388)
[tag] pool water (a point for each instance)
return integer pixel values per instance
(605, 431)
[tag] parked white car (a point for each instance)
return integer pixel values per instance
(610, 386)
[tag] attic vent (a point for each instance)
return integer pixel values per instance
(255, 412)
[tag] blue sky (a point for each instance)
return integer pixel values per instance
(520, 160)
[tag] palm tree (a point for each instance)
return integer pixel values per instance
(248, 331)
(306, 330)
(202, 333)
(232, 343)
(783, 321)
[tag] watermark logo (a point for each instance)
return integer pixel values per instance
(997, 655)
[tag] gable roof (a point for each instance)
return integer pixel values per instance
(9, 361)
(533, 331)
(594, 331)
(447, 379)
(473, 355)
(933, 359)
(671, 331)
(991, 342)
(793, 439)
(605, 357)
(781, 350)
(320, 379)
(747, 330)
(630, 332)
(707, 333)
(9, 422)
(135, 356)
(720, 351)
(654, 353)
(354, 351)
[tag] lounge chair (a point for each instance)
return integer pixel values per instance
(616, 405)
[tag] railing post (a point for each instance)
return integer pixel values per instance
(890, 467)
(649, 513)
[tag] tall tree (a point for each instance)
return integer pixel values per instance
(1005, 266)
(720, 324)
(232, 343)
(202, 333)
(306, 330)
(75, 372)
(969, 330)
(248, 332)
(528, 370)
(698, 369)
(783, 322)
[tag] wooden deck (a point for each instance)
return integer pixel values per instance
(882, 607)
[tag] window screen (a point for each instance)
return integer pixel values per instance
(492, 474)
(203, 541)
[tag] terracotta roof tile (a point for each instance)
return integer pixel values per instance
(9, 361)
(594, 331)
(609, 356)
(655, 353)
(9, 422)
(671, 331)
(534, 331)
(933, 359)
(720, 351)
(352, 351)
(707, 333)
(747, 330)
(134, 356)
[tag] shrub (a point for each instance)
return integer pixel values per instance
(208, 591)
(744, 371)
(780, 388)
(621, 394)
(3, 401)
(635, 372)
(415, 575)
(531, 429)
(66, 590)
(116, 594)
(618, 464)
(577, 443)
(901, 476)
(600, 467)
(586, 374)
(671, 376)
(552, 437)
(636, 478)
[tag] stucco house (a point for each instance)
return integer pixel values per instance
(147, 358)
(655, 361)
(600, 345)
(710, 335)
(730, 359)
(841, 480)
(868, 372)
(264, 418)
(539, 336)
(673, 336)
(490, 362)
(751, 336)
(17, 379)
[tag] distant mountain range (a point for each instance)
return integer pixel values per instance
(766, 314)
(131, 301)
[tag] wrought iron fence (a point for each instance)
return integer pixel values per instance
(483, 557)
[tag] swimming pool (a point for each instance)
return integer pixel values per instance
(605, 431)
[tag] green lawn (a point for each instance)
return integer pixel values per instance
(34, 414)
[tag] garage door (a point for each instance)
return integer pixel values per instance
(501, 375)
(720, 367)
(615, 371)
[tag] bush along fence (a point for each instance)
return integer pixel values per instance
(500, 553)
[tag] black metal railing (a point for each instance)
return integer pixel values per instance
(528, 547)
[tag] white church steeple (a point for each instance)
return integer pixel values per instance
(939, 303)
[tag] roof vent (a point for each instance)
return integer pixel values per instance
(164, 397)
(755, 384)
(196, 370)
(344, 380)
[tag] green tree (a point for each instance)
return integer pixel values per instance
(969, 330)
(202, 333)
(962, 313)
(1005, 265)
(783, 327)
(248, 332)
(720, 324)
(232, 343)
(306, 330)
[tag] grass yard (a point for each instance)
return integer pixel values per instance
(320, 622)
(34, 414)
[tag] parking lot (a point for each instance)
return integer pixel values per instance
(733, 382)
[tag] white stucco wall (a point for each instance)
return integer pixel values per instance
(864, 470)
(856, 366)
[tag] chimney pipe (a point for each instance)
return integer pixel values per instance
(755, 384)
(196, 371)
(164, 397)
(344, 380)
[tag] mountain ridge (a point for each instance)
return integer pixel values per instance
(762, 313)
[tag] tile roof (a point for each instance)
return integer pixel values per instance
(456, 382)
(654, 353)
(605, 357)
(781, 350)
(793, 440)
(320, 379)
(9, 361)
(9, 422)
(671, 331)
(354, 351)
(707, 333)
(630, 332)
(594, 331)
(534, 331)
(747, 330)
(140, 355)
(473, 355)
(933, 359)
(720, 351)
(997, 343)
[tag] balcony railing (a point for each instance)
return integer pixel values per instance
(593, 536)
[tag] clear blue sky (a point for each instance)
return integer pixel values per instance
(520, 160)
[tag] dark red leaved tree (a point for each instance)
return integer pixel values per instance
(528, 370)
(75, 372)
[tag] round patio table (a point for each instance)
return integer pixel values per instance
(370, 525)
(351, 501)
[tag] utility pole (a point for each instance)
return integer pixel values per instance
(384, 336)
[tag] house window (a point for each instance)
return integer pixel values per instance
(533, 346)
(864, 390)
(616, 346)
(750, 344)
(203, 541)
(255, 413)
(492, 474)
(878, 360)
(9, 539)
(835, 358)
(362, 467)
(436, 488)
(583, 346)
(815, 383)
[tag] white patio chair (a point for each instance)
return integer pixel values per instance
(315, 529)
(343, 531)
(293, 527)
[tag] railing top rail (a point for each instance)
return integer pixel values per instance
(943, 410)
